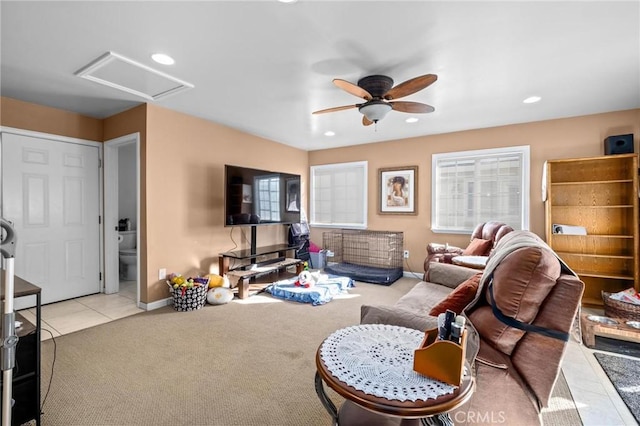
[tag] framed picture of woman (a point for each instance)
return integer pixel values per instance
(398, 190)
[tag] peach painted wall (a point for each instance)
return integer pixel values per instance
(185, 210)
(553, 139)
(39, 118)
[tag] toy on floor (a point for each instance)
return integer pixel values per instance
(216, 280)
(219, 295)
(308, 279)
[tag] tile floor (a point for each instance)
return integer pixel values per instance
(84, 312)
(597, 400)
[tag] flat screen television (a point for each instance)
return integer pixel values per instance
(260, 197)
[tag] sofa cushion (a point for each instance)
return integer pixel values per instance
(557, 313)
(448, 275)
(394, 315)
(422, 297)
(478, 247)
(521, 282)
(459, 298)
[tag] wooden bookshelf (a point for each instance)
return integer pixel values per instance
(601, 195)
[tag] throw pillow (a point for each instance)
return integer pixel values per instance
(478, 247)
(459, 298)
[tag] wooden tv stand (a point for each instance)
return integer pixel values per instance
(243, 273)
(241, 277)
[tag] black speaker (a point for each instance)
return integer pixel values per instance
(620, 144)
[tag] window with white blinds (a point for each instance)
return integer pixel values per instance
(339, 195)
(472, 187)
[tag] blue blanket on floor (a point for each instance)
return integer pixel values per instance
(321, 293)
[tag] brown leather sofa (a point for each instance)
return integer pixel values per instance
(515, 370)
(489, 231)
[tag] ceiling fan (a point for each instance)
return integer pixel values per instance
(376, 90)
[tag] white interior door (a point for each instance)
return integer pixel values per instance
(51, 192)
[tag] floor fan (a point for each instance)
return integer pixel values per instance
(9, 338)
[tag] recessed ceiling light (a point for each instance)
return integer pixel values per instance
(532, 99)
(163, 59)
(411, 120)
(329, 133)
(287, 1)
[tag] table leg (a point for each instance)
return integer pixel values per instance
(328, 404)
(243, 288)
(223, 265)
(588, 335)
(443, 419)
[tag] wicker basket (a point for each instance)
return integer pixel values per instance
(618, 309)
(190, 300)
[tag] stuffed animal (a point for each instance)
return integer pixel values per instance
(308, 279)
(216, 280)
(219, 295)
(305, 279)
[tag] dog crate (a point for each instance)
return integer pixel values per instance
(369, 256)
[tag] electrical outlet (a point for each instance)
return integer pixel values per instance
(162, 274)
(406, 254)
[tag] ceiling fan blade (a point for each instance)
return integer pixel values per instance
(353, 89)
(411, 86)
(340, 108)
(412, 107)
(366, 121)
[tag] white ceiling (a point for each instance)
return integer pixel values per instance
(263, 66)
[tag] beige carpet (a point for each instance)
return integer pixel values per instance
(249, 363)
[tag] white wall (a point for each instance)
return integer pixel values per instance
(127, 183)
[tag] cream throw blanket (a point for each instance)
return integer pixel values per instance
(511, 242)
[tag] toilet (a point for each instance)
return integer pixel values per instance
(128, 255)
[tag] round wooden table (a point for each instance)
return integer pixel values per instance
(390, 407)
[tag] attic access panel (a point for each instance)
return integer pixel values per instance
(119, 72)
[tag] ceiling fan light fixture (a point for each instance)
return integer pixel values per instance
(375, 110)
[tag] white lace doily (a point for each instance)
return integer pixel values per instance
(377, 359)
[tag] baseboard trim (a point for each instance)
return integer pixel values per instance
(411, 274)
(157, 304)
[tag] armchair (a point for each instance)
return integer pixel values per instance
(486, 236)
(521, 346)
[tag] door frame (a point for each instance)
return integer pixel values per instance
(79, 141)
(110, 171)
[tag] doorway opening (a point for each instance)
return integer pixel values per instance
(122, 214)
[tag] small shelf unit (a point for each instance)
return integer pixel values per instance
(26, 373)
(601, 195)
